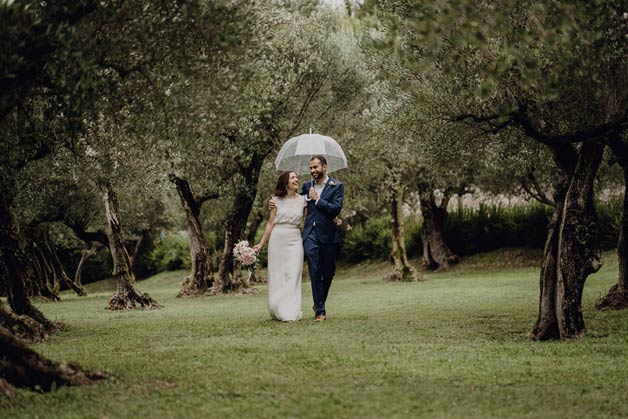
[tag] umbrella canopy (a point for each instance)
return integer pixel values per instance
(296, 153)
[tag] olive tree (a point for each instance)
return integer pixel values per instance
(555, 79)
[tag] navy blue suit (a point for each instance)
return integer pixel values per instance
(321, 239)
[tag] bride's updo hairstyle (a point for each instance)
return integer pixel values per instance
(281, 189)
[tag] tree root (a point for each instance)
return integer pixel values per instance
(22, 326)
(6, 389)
(129, 300)
(403, 275)
(50, 298)
(192, 288)
(544, 330)
(238, 286)
(33, 312)
(615, 299)
(21, 367)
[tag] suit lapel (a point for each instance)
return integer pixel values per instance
(324, 191)
(327, 186)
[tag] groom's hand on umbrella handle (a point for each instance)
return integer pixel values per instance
(271, 204)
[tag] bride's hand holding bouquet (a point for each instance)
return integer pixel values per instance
(245, 255)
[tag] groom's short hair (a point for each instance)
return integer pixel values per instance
(321, 159)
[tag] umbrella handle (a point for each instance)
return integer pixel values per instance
(307, 196)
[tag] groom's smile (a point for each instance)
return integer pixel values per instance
(316, 169)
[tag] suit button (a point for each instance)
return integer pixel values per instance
(314, 225)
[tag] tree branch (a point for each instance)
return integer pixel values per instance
(540, 194)
(521, 120)
(306, 104)
(207, 197)
(87, 236)
(619, 149)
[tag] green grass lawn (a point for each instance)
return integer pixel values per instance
(452, 346)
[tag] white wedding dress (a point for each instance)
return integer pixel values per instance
(285, 260)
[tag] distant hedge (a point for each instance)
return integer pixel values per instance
(468, 231)
(475, 230)
(172, 252)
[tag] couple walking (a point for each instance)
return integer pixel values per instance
(319, 202)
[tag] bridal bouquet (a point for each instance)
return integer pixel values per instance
(245, 255)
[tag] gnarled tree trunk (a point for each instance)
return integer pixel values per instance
(402, 270)
(617, 296)
(40, 280)
(21, 367)
(546, 326)
(86, 254)
(436, 252)
(127, 295)
(21, 326)
(254, 227)
(15, 261)
(49, 253)
(235, 225)
(201, 278)
(572, 250)
(234, 231)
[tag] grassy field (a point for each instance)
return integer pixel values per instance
(452, 346)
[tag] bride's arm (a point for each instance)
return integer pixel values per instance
(269, 227)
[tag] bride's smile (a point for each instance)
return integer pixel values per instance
(293, 184)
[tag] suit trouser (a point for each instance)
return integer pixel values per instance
(321, 263)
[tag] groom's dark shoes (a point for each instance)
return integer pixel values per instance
(318, 317)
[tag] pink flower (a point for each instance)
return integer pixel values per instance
(245, 254)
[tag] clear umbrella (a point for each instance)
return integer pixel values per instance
(296, 153)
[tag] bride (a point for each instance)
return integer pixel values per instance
(285, 249)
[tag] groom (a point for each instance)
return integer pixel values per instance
(321, 235)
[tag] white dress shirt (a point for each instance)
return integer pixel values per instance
(319, 189)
